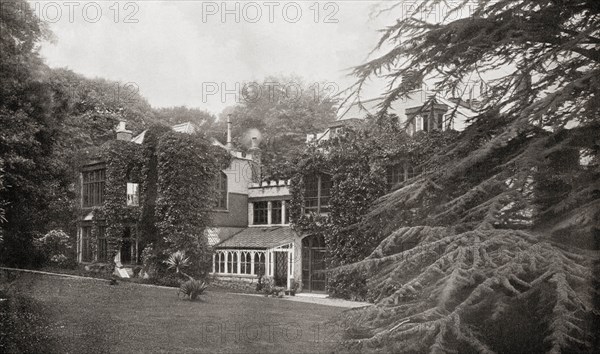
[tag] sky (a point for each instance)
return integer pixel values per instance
(199, 54)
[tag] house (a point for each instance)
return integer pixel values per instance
(229, 216)
(250, 231)
(419, 111)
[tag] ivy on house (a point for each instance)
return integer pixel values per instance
(357, 161)
(187, 167)
(176, 173)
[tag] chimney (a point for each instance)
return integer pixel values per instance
(229, 145)
(123, 133)
(255, 151)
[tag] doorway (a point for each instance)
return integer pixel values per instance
(281, 271)
(313, 263)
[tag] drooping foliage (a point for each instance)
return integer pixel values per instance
(356, 160)
(491, 248)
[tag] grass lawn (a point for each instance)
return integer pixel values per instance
(92, 316)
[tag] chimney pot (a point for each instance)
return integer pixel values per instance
(122, 132)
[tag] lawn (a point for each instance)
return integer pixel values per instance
(92, 316)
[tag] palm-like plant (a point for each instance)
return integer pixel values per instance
(178, 261)
(192, 288)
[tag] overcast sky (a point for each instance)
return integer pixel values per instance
(190, 52)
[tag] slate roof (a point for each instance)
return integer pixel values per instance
(260, 237)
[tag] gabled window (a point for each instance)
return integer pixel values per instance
(261, 213)
(221, 187)
(317, 190)
(133, 195)
(92, 189)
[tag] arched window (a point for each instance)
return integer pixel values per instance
(221, 187)
(246, 263)
(399, 173)
(220, 260)
(232, 262)
(259, 263)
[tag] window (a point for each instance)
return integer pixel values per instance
(133, 196)
(220, 262)
(400, 173)
(221, 187)
(287, 212)
(261, 213)
(92, 193)
(395, 175)
(259, 264)
(317, 192)
(86, 247)
(246, 263)
(418, 123)
(232, 262)
(102, 244)
(276, 212)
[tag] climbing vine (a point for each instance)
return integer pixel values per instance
(187, 168)
(356, 160)
(175, 173)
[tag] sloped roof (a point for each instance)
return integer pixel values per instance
(260, 237)
(186, 127)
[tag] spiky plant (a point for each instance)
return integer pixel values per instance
(177, 261)
(192, 288)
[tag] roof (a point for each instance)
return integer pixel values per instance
(186, 127)
(260, 237)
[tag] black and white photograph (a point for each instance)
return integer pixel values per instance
(303, 176)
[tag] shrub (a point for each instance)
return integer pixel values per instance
(56, 248)
(348, 284)
(268, 283)
(192, 288)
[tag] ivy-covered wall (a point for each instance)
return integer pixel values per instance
(176, 174)
(356, 160)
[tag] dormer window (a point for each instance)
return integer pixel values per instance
(317, 190)
(221, 187)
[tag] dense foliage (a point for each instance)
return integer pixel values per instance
(28, 138)
(280, 111)
(356, 160)
(187, 168)
(499, 253)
